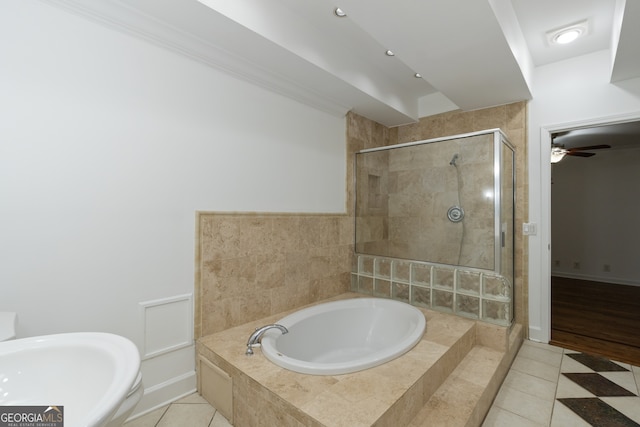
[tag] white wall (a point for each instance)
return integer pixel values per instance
(108, 146)
(595, 210)
(566, 95)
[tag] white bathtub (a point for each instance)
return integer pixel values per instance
(344, 336)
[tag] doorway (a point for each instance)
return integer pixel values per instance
(595, 279)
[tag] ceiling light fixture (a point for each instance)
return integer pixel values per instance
(389, 53)
(339, 12)
(567, 34)
(417, 75)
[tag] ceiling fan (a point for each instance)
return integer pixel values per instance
(558, 152)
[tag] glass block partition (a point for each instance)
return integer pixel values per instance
(472, 293)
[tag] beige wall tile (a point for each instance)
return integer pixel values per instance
(254, 265)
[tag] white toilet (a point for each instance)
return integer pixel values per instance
(8, 322)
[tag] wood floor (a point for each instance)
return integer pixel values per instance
(597, 318)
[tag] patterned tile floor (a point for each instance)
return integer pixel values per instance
(552, 387)
(546, 386)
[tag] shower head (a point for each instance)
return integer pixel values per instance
(453, 160)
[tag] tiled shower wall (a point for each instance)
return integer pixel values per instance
(511, 119)
(404, 194)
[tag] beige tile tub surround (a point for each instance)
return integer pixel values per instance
(249, 265)
(392, 394)
(252, 265)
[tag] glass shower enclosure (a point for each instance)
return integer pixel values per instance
(444, 203)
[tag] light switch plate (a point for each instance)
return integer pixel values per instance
(529, 228)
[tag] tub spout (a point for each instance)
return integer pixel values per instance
(256, 336)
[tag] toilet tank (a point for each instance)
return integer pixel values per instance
(8, 321)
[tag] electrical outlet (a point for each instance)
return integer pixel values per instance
(606, 268)
(576, 265)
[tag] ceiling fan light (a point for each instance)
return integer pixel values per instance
(557, 154)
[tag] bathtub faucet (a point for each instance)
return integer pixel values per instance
(256, 336)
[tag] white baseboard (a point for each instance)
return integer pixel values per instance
(595, 278)
(165, 393)
(535, 334)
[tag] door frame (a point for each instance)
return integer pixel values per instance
(540, 247)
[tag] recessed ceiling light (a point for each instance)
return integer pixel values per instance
(568, 33)
(389, 53)
(567, 36)
(417, 75)
(339, 12)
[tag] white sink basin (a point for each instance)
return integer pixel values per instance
(88, 373)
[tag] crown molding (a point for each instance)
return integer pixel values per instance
(125, 19)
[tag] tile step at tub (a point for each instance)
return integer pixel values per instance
(466, 395)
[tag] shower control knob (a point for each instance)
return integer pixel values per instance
(455, 214)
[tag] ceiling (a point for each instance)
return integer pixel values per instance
(470, 54)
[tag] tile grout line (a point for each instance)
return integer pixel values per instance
(213, 416)
(555, 393)
(163, 414)
(209, 424)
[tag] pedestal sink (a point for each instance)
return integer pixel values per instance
(87, 373)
